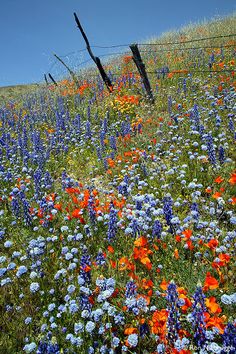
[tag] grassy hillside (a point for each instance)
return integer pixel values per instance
(118, 215)
(11, 93)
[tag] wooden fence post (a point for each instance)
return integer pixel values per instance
(72, 74)
(96, 60)
(54, 81)
(142, 71)
(45, 78)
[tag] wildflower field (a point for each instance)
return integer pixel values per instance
(118, 223)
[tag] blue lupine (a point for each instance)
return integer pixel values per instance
(167, 210)
(26, 212)
(88, 132)
(144, 329)
(139, 128)
(113, 143)
(88, 112)
(15, 207)
(130, 289)
(231, 125)
(184, 86)
(48, 180)
(221, 154)
(37, 180)
(201, 130)
(112, 224)
(218, 121)
(173, 322)
(229, 339)
(91, 208)
(198, 322)
(170, 105)
(99, 153)
(135, 228)
(156, 229)
(196, 117)
(195, 211)
(105, 164)
(105, 127)
(102, 138)
(211, 149)
(100, 259)
(85, 266)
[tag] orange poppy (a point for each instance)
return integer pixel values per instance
(158, 322)
(215, 321)
(141, 241)
(110, 249)
(210, 282)
(212, 244)
(216, 195)
(219, 180)
(212, 305)
(208, 190)
(187, 233)
(130, 330)
(76, 213)
(232, 179)
(176, 253)
(123, 263)
(164, 284)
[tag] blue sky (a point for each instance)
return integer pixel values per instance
(31, 31)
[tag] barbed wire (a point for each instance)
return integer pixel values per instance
(144, 51)
(189, 48)
(172, 71)
(167, 43)
(160, 50)
(154, 44)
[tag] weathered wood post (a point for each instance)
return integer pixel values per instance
(142, 71)
(45, 78)
(54, 81)
(72, 74)
(96, 60)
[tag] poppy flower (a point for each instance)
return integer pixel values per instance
(158, 323)
(210, 282)
(212, 305)
(187, 233)
(164, 284)
(208, 190)
(76, 213)
(212, 244)
(110, 249)
(215, 321)
(219, 180)
(233, 202)
(176, 253)
(113, 264)
(178, 238)
(130, 330)
(216, 195)
(141, 241)
(232, 179)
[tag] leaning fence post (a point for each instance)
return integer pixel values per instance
(54, 81)
(142, 71)
(72, 74)
(45, 78)
(96, 60)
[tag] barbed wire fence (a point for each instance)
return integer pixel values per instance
(203, 57)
